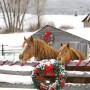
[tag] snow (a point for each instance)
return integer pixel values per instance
(66, 20)
(15, 39)
(17, 68)
(78, 73)
(58, 20)
(16, 89)
(83, 33)
(15, 79)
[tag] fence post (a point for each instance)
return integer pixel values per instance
(2, 49)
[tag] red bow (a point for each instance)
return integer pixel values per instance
(49, 69)
(47, 36)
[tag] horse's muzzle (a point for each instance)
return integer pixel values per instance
(58, 58)
(20, 56)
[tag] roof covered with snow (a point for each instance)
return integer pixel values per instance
(82, 33)
(87, 18)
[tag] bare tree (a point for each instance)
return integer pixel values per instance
(14, 13)
(39, 8)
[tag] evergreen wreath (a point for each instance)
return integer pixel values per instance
(49, 68)
(48, 37)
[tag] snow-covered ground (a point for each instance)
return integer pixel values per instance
(58, 20)
(16, 89)
(15, 39)
(16, 79)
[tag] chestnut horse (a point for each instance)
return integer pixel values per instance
(67, 53)
(37, 48)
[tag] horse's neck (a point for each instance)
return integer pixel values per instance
(44, 51)
(74, 54)
(71, 56)
(36, 48)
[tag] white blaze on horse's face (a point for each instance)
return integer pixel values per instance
(24, 48)
(22, 56)
(27, 49)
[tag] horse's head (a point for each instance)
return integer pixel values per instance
(64, 53)
(27, 49)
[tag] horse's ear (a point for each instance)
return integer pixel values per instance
(68, 45)
(24, 38)
(62, 44)
(31, 38)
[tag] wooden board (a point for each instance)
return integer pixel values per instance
(77, 68)
(78, 80)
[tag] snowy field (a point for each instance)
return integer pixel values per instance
(58, 20)
(15, 89)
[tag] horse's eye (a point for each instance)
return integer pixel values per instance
(66, 51)
(29, 45)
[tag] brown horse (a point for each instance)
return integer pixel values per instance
(67, 53)
(37, 48)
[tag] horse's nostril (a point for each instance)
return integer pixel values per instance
(20, 56)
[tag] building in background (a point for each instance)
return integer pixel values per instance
(54, 37)
(86, 21)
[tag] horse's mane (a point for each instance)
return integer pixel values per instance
(77, 54)
(43, 50)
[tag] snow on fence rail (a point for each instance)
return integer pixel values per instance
(77, 71)
(4, 49)
(9, 52)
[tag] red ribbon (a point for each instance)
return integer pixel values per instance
(87, 63)
(47, 36)
(23, 64)
(14, 63)
(49, 69)
(4, 62)
(67, 63)
(78, 64)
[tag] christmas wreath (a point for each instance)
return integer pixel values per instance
(48, 37)
(51, 70)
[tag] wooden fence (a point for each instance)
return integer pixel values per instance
(77, 71)
(9, 49)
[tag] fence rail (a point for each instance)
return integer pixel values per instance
(4, 49)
